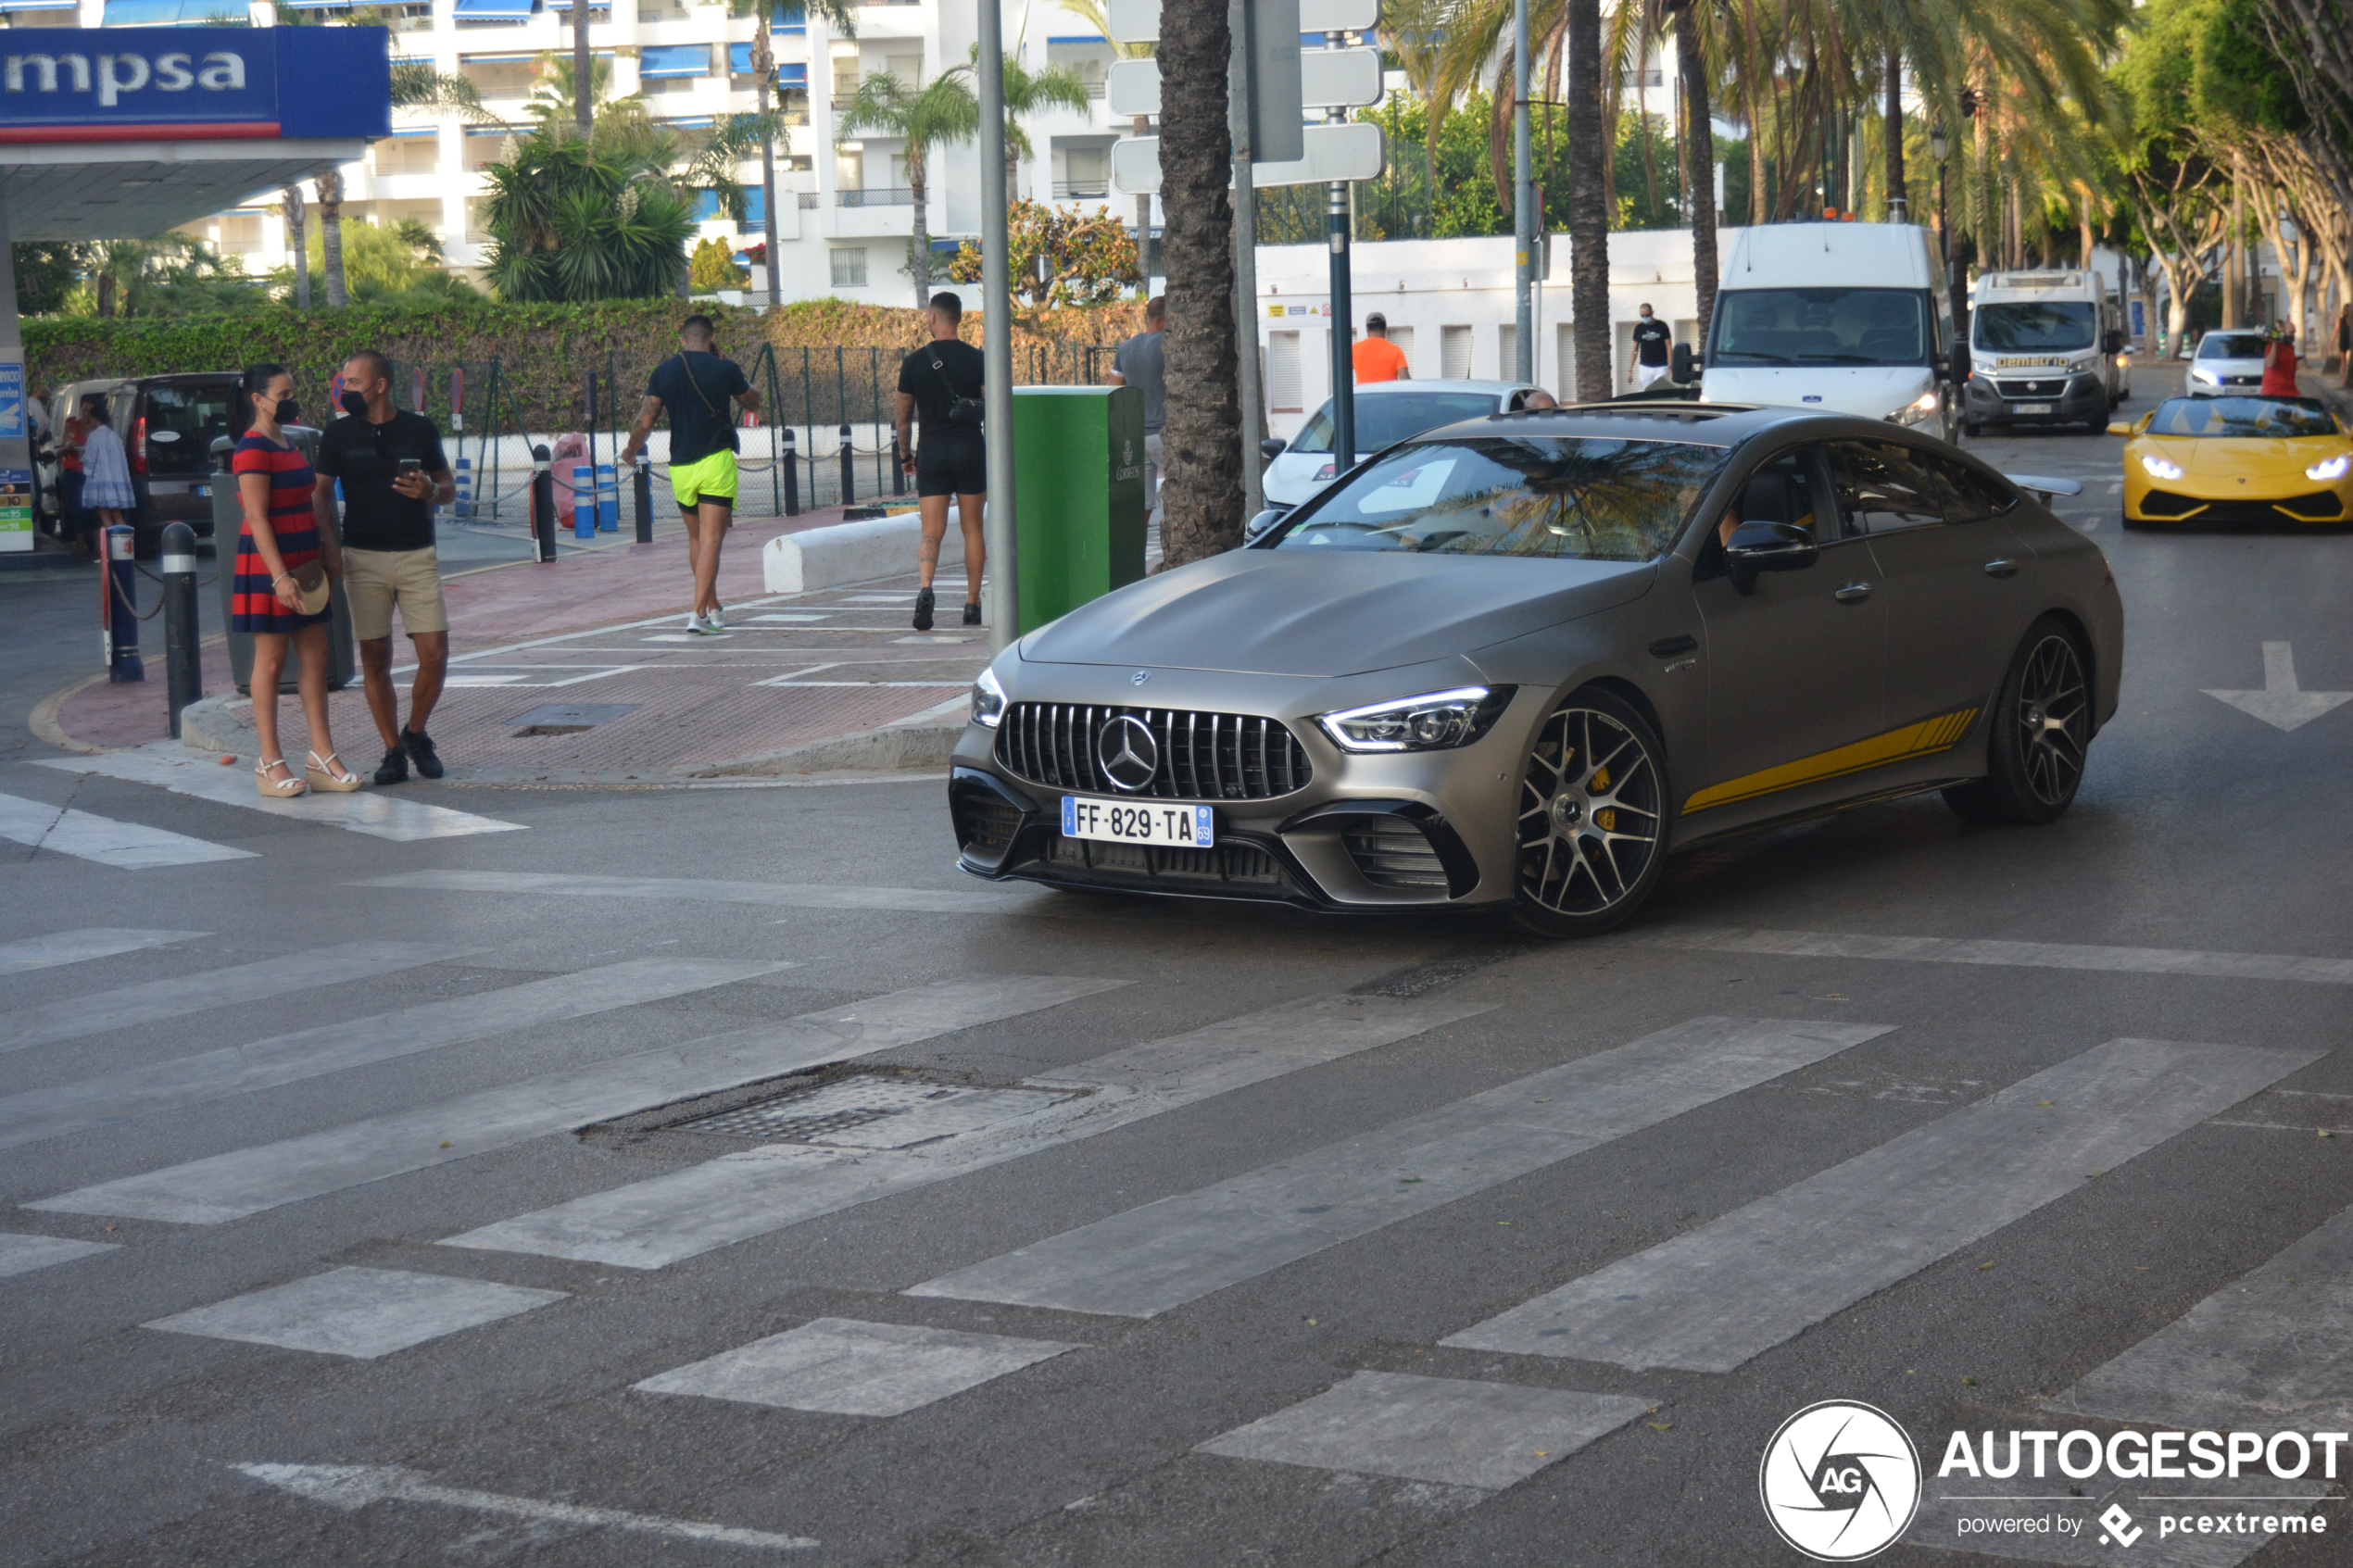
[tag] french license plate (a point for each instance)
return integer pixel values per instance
(2029, 407)
(1139, 821)
(201, 492)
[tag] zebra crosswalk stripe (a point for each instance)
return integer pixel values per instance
(1713, 1298)
(652, 1224)
(246, 1181)
(2024, 955)
(333, 1048)
(1149, 1259)
(702, 890)
(359, 1312)
(103, 841)
(180, 995)
(29, 953)
(21, 1254)
(843, 1367)
(378, 813)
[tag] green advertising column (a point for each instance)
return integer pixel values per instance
(1078, 468)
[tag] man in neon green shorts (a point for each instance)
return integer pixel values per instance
(693, 387)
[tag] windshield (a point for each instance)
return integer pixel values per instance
(1389, 418)
(2028, 325)
(2231, 345)
(1820, 327)
(1566, 498)
(2241, 416)
(183, 420)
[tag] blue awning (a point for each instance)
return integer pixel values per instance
(1094, 38)
(792, 76)
(160, 13)
(703, 124)
(406, 133)
(512, 10)
(673, 60)
(37, 4)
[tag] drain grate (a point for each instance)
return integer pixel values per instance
(870, 1111)
(570, 718)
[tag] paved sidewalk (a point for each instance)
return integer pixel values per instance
(582, 671)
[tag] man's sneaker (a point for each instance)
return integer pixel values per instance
(701, 627)
(922, 610)
(394, 769)
(422, 753)
(694, 621)
(717, 619)
(972, 615)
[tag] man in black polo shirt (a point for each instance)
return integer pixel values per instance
(389, 559)
(1648, 362)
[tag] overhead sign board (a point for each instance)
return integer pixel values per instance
(1327, 79)
(1348, 151)
(194, 83)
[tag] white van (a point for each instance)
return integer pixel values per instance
(1845, 318)
(2046, 349)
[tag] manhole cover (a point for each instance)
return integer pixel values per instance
(570, 718)
(870, 1111)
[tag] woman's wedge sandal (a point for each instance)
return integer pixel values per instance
(278, 789)
(328, 774)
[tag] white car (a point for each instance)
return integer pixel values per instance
(1387, 412)
(2227, 365)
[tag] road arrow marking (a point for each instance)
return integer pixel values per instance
(352, 1486)
(2280, 704)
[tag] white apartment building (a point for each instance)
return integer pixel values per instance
(844, 208)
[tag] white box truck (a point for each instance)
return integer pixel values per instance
(2047, 349)
(1851, 318)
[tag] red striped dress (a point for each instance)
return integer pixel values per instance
(254, 606)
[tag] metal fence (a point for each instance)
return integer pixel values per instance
(824, 436)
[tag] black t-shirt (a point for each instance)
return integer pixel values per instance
(367, 458)
(1651, 337)
(960, 367)
(695, 388)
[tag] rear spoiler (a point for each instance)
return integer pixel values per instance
(2043, 487)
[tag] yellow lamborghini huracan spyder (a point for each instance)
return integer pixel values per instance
(2236, 459)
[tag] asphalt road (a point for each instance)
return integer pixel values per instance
(1159, 1234)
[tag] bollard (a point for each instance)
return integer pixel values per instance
(848, 469)
(608, 501)
(184, 667)
(641, 490)
(120, 612)
(543, 503)
(583, 501)
(464, 506)
(791, 459)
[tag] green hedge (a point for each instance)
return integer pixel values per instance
(545, 352)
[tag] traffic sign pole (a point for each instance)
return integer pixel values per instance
(1523, 204)
(1003, 584)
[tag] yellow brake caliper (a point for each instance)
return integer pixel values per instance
(1606, 818)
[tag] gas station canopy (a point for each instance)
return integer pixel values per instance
(117, 132)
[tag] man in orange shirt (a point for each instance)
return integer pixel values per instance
(1376, 358)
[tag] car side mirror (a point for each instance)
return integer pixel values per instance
(1264, 524)
(1767, 546)
(2119, 427)
(1272, 447)
(1683, 363)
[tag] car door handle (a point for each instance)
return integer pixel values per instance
(2001, 569)
(1667, 647)
(1852, 593)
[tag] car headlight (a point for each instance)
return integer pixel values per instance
(2160, 469)
(1917, 409)
(988, 700)
(1433, 722)
(2209, 377)
(2333, 468)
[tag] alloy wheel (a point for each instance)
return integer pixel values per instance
(2053, 720)
(1590, 813)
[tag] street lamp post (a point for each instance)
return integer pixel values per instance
(1938, 145)
(763, 71)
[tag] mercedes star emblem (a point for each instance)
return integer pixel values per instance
(1129, 753)
(1140, 677)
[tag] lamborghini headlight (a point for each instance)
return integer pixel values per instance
(2158, 468)
(2333, 468)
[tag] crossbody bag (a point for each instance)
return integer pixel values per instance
(687, 368)
(963, 412)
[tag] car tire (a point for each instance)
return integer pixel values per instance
(1972, 429)
(2042, 726)
(1578, 870)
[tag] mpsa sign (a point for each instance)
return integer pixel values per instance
(132, 83)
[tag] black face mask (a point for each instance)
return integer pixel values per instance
(354, 404)
(288, 413)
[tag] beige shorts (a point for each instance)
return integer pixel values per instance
(375, 581)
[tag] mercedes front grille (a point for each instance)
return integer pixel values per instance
(1201, 755)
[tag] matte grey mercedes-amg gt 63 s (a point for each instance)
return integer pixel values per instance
(1516, 662)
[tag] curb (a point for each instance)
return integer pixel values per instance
(44, 721)
(207, 726)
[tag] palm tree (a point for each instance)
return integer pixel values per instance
(298, 241)
(944, 112)
(330, 187)
(1032, 91)
(1587, 205)
(1203, 501)
(555, 99)
(572, 219)
(843, 19)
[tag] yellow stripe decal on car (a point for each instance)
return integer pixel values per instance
(1939, 734)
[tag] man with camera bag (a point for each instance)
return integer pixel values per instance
(941, 381)
(693, 386)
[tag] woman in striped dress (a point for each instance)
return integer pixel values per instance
(281, 535)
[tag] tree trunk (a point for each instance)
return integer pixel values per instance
(1203, 498)
(330, 185)
(298, 239)
(106, 292)
(584, 107)
(917, 184)
(1699, 163)
(1588, 206)
(1892, 127)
